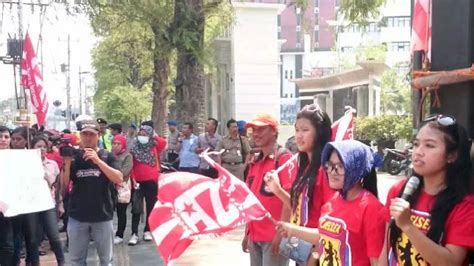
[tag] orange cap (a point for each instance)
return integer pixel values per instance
(263, 120)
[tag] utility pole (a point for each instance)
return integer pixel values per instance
(20, 37)
(68, 81)
(80, 89)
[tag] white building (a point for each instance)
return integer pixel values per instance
(247, 74)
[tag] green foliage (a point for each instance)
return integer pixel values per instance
(360, 11)
(125, 104)
(382, 128)
(371, 52)
(395, 93)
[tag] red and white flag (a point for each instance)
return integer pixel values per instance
(421, 27)
(343, 128)
(191, 206)
(32, 80)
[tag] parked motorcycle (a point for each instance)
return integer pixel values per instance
(396, 161)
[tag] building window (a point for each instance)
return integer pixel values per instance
(316, 3)
(316, 19)
(316, 35)
(298, 19)
(298, 36)
(399, 46)
(286, 74)
(398, 22)
(291, 74)
(279, 20)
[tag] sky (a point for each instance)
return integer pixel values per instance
(57, 24)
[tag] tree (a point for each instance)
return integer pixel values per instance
(360, 11)
(395, 94)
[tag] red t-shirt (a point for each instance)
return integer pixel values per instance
(321, 194)
(459, 228)
(142, 172)
(55, 156)
(264, 230)
(351, 231)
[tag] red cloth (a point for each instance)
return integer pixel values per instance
(421, 27)
(122, 140)
(54, 155)
(144, 172)
(264, 230)
(459, 229)
(350, 230)
(191, 205)
(322, 194)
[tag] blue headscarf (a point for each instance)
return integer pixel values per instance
(356, 157)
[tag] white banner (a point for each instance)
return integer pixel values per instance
(23, 188)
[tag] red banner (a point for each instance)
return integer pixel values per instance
(421, 28)
(191, 206)
(343, 128)
(32, 80)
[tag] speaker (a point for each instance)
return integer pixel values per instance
(452, 48)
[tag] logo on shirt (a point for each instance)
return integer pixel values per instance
(334, 245)
(406, 252)
(87, 173)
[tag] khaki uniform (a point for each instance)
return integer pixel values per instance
(171, 151)
(233, 157)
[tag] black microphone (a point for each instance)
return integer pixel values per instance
(410, 188)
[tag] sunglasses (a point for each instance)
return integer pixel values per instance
(442, 120)
(338, 168)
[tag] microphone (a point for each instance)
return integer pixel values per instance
(410, 188)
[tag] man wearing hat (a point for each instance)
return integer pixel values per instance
(172, 152)
(105, 141)
(261, 239)
(131, 135)
(115, 129)
(93, 173)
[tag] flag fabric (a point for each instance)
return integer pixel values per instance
(32, 80)
(343, 128)
(421, 27)
(191, 206)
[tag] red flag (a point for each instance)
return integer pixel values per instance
(421, 27)
(190, 206)
(343, 128)
(32, 80)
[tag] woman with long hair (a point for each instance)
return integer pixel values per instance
(347, 232)
(146, 150)
(435, 225)
(48, 220)
(6, 230)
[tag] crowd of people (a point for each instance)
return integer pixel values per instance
(325, 200)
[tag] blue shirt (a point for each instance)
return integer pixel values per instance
(187, 154)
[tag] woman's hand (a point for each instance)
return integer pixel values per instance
(284, 229)
(400, 211)
(273, 182)
(245, 244)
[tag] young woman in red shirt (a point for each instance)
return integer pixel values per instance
(348, 232)
(435, 225)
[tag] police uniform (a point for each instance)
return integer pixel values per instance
(233, 158)
(172, 152)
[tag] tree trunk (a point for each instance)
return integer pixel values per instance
(190, 71)
(161, 64)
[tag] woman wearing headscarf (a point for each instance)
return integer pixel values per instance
(146, 152)
(119, 149)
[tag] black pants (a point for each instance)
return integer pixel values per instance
(211, 172)
(149, 190)
(48, 223)
(122, 218)
(25, 227)
(6, 241)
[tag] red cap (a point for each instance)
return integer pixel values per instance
(263, 120)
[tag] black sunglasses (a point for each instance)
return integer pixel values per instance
(442, 120)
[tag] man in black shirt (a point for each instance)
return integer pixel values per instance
(93, 173)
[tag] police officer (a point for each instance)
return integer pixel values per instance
(235, 148)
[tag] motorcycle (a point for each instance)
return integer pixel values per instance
(166, 167)
(396, 161)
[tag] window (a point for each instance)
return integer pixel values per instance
(298, 19)
(291, 74)
(398, 22)
(316, 3)
(316, 35)
(286, 74)
(278, 20)
(399, 46)
(298, 36)
(316, 19)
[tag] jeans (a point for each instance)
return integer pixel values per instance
(25, 226)
(82, 232)
(6, 241)
(122, 218)
(194, 170)
(261, 255)
(149, 190)
(48, 220)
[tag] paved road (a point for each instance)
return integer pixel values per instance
(214, 252)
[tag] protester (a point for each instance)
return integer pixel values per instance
(105, 140)
(349, 232)
(261, 239)
(187, 145)
(236, 149)
(6, 229)
(115, 129)
(93, 172)
(146, 169)
(172, 151)
(310, 188)
(124, 159)
(131, 135)
(48, 219)
(24, 225)
(434, 225)
(208, 141)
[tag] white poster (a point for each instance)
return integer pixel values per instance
(22, 185)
